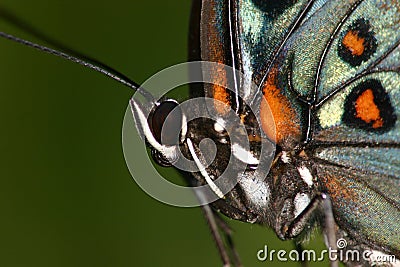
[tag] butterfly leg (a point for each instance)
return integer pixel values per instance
(218, 225)
(223, 225)
(213, 225)
(323, 201)
(300, 250)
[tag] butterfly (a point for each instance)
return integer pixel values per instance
(326, 74)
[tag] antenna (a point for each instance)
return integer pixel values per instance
(67, 53)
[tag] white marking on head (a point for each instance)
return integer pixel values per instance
(203, 171)
(218, 127)
(184, 128)
(301, 201)
(305, 174)
(169, 152)
(285, 158)
(223, 141)
(243, 155)
(221, 122)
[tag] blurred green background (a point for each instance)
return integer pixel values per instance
(66, 196)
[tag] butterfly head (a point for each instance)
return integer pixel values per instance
(163, 127)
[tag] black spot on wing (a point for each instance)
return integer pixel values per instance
(273, 7)
(368, 107)
(358, 43)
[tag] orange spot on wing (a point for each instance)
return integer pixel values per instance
(354, 43)
(278, 119)
(367, 110)
(219, 92)
(214, 50)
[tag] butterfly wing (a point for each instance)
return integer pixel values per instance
(330, 72)
(344, 61)
(244, 34)
(359, 123)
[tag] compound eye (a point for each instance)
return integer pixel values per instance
(166, 123)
